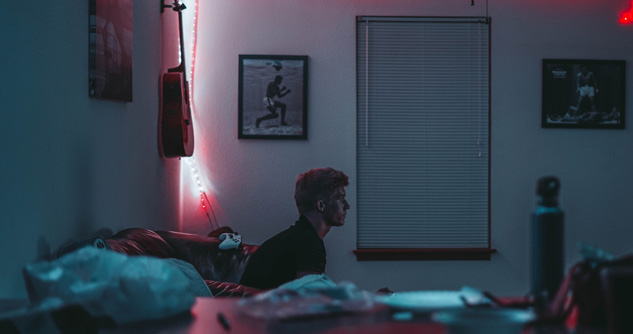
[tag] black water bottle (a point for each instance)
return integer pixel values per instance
(547, 242)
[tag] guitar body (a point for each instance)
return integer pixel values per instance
(176, 125)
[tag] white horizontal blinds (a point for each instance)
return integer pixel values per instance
(423, 133)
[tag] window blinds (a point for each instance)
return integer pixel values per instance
(423, 139)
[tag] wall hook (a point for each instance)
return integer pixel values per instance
(163, 6)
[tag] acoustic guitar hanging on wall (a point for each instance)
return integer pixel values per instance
(176, 124)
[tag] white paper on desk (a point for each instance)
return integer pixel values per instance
(304, 300)
(432, 300)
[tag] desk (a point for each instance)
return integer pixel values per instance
(204, 320)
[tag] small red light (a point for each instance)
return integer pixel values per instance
(627, 16)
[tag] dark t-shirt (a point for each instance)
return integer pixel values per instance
(280, 258)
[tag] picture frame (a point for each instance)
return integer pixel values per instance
(110, 46)
(582, 93)
(273, 97)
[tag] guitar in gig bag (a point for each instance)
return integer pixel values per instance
(176, 124)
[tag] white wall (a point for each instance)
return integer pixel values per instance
(72, 165)
(253, 180)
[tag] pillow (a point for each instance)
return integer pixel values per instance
(219, 231)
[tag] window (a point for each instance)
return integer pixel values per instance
(423, 140)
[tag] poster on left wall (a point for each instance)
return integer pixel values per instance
(110, 49)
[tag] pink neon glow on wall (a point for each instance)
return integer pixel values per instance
(626, 17)
(193, 184)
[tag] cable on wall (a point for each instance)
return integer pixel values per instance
(204, 199)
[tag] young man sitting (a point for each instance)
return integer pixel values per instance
(299, 250)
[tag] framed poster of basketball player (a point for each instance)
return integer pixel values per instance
(272, 97)
(585, 94)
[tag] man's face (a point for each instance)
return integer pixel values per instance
(335, 209)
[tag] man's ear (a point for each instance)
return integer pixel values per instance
(320, 206)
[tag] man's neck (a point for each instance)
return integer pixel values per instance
(317, 222)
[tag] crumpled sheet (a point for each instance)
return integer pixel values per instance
(307, 297)
(105, 285)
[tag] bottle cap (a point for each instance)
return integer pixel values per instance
(547, 189)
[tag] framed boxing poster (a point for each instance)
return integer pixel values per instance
(583, 94)
(272, 97)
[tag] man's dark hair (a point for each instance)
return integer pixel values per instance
(317, 184)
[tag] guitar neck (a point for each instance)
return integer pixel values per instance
(178, 7)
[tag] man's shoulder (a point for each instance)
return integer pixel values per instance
(282, 236)
(294, 236)
(293, 232)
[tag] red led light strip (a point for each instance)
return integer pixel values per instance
(204, 199)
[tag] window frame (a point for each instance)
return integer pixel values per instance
(479, 253)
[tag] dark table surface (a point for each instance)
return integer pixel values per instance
(222, 315)
(207, 313)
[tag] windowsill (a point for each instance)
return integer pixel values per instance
(392, 254)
